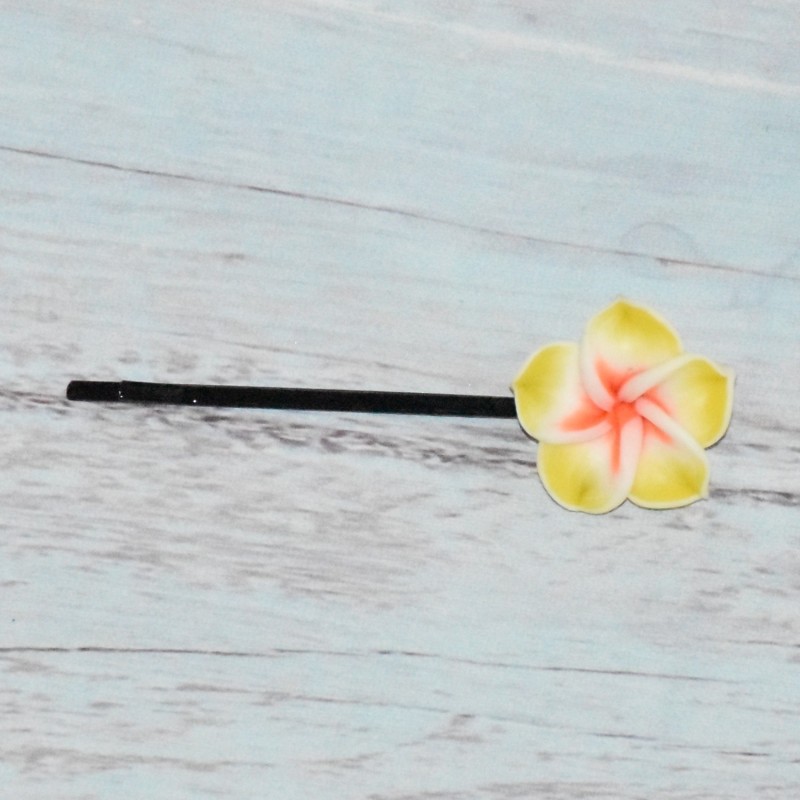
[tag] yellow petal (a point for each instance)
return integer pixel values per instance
(672, 469)
(620, 341)
(551, 403)
(590, 476)
(699, 397)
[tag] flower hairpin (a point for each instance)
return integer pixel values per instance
(625, 414)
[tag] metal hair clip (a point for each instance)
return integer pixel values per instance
(623, 414)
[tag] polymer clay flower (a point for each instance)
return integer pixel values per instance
(624, 414)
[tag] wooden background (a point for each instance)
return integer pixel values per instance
(390, 195)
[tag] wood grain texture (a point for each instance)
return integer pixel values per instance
(239, 604)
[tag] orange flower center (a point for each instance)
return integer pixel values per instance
(618, 416)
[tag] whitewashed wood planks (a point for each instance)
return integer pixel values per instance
(241, 604)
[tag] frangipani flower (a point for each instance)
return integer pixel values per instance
(624, 414)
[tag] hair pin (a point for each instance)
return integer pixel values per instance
(623, 414)
(342, 400)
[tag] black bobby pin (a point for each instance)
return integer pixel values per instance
(180, 394)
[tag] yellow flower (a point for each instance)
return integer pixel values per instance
(624, 414)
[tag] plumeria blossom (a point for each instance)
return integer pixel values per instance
(623, 414)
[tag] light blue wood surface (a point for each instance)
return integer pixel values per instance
(412, 196)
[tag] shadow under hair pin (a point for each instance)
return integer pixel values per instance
(623, 414)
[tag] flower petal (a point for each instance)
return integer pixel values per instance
(672, 469)
(551, 403)
(594, 476)
(642, 382)
(699, 397)
(619, 342)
